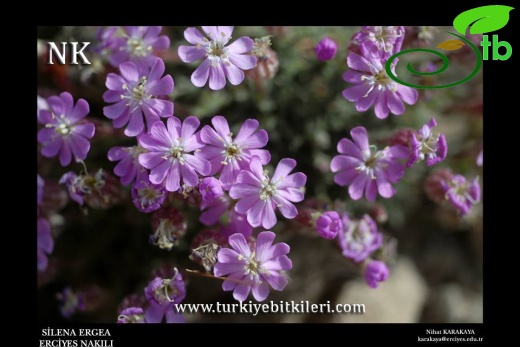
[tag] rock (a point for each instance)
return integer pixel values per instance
(398, 300)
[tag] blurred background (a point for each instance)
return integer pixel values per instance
(103, 254)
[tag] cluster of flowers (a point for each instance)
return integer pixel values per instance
(363, 168)
(224, 173)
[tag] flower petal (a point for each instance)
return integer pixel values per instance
(394, 103)
(357, 187)
(189, 126)
(343, 162)
(353, 77)
(243, 61)
(129, 71)
(193, 36)
(199, 77)
(349, 148)
(164, 86)
(159, 172)
(238, 243)
(296, 180)
(284, 167)
(360, 137)
(356, 92)
(245, 204)
(407, 94)
(261, 291)
(357, 62)
(241, 45)
(233, 74)
(276, 281)
(217, 77)
(189, 54)
(173, 179)
(229, 256)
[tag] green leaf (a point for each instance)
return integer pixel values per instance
(485, 19)
(451, 45)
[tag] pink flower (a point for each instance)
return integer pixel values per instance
(372, 86)
(260, 195)
(169, 155)
(364, 169)
(253, 268)
(65, 132)
(136, 95)
(220, 61)
(228, 155)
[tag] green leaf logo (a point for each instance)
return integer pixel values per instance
(485, 19)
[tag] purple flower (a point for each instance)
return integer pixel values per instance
(427, 144)
(229, 156)
(136, 94)
(128, 165)
(461, 193)
(70, 302)
(359, 238)
(376, 271)
(326, 49)
(329, 224)
(210, 189)
(365, 169)
(260, 195)
(169, 157)
(45, 243)
(387, 39)
(253, 268)
(147, 197)
(220, 61)
(373, 86)
(135, 44)
(163, 294)
(63, 132)
(131, 315)
(480, 158)
(82, 185)
(40, 183)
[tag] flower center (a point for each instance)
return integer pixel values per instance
(167, 291)
(63, 127)
(135, 151)
(252, 266)
(176, 153)
(88, 183)
(268, 190)
(378, 79)
(137, 95)
(232, 151)
(216, 50)
(137, 48)
(359, 231)
(148, 194)
(428, 145)
(382, 78)
(371, 160)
